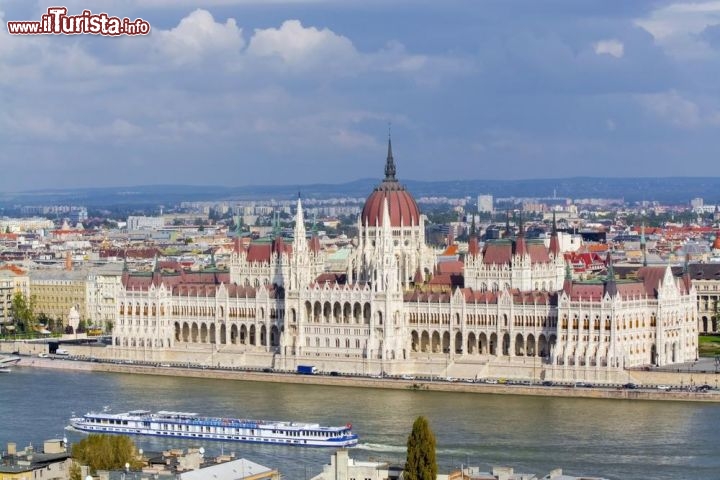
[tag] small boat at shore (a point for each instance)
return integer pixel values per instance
(8, 361)
(191, 425)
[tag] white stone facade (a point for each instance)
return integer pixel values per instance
(515, 314)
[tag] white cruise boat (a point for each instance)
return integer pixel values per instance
(191, 425)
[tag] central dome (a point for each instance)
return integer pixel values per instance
(403, 210)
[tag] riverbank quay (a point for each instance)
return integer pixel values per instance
(575, 391)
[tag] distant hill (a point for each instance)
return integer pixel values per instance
(669, 190)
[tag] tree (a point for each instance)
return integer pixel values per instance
(421, 463)
(106, 452)
(23, 310)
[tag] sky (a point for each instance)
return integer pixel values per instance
(254, 92)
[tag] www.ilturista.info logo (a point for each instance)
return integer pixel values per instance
(58, 22)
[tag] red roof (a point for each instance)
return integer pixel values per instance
(262, 252)
(451, 266)
(13, 268)
(498, 253)
(501, 252)
(447, 279)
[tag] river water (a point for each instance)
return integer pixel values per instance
(616, 439)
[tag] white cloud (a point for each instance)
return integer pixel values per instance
(676, 27)
(679, 111)
(199, 35)
(353, 139)
(610, 47)
(301, 47)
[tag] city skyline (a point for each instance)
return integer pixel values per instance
(242, 92)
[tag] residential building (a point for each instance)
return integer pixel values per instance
(52, 463)
(57, 291)
(485, 204)
(13, 279)
(144, 223)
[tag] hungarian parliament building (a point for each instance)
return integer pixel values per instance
(510, 308)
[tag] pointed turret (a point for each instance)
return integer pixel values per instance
(125, 271)
(157, 272)
(554, 241)
(238, 226)
(473, 244)
(643, 244)
(276, 224)
(386, 228)
(610, 283)
(520, 246)
(568, 283)
(299, 230)
(419, 278)
(237, 244)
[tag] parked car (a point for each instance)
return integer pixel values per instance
(665, 388)
(630, 386)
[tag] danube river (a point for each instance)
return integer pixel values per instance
(617, 439)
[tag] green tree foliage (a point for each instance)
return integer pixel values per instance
(106, 452)
(75, 472)
(421, 463)
(23, 310)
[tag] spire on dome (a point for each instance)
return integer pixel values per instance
(390, 163)
(507, 224)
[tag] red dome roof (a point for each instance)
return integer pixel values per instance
(403, 210)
